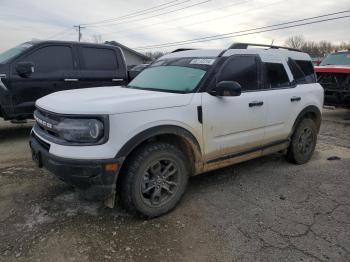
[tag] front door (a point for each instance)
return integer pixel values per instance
(234, 125)
(54, 71)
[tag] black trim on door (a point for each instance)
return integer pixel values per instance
(200, 114)
(255, 149)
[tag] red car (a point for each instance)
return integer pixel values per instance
(334, 75)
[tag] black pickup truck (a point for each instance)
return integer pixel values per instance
(35, 69)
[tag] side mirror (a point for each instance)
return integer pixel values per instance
(227, 88)
(24, 69)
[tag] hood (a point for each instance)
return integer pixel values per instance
(332, 69)
(110, 100)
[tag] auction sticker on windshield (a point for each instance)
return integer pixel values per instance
(202, 61)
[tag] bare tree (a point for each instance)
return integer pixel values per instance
(325, 48)
(295, 41)
(315, 49)
(154, 55)
(312, 48)
(97, 38)
(344, 46)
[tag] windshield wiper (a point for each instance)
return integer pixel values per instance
(159, 90)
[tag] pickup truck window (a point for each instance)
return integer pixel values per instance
(5, 56)
(51, 59)
(168, 78)
(339, 58)
(99, 59)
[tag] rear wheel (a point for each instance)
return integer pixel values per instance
(303, 142)
(155, 179)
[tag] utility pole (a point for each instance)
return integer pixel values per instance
(79, 31)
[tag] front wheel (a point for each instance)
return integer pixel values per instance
(155, 179)
(303, 142)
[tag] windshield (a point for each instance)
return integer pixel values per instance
(181, 75)
(340, 58)
(5, 56)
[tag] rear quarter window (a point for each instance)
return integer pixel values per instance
(302, 71)
(308, 70)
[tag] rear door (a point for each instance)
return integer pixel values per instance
(101, 66)
(53, 65)
(284, 98)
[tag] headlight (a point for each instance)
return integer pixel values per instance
(80, 130)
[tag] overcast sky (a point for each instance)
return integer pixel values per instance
(23, 20)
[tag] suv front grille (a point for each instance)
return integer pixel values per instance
(46, 121)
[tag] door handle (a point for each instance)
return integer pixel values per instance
(117, 79)
(71, 80)
(256, 103)
(295, 99)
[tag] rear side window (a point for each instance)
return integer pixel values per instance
(242, 69)
(51, 59)
(308, 70)
(98, 59)
(276, 75)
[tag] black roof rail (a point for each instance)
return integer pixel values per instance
(245, 46)
(182, 49)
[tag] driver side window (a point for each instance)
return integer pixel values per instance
(51, 59)
(242, 69)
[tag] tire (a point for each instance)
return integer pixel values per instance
(303, 142)
(150, 176)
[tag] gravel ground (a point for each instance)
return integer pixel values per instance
(262, 210)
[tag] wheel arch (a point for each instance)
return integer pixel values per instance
(173, 134)
(312, 112)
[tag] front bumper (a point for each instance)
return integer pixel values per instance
(88, 176)
(337, 97)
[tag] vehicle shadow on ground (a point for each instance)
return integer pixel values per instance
(14, 131)
(67, 202)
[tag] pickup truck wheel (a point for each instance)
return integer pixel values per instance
(155, 180)
(303, 142)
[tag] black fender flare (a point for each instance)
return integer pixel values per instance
(147, 134)
(309, 109)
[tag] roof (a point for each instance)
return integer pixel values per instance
(129, 49)
(195, 53)
(38, 41)
(107, 43)
(265, 53)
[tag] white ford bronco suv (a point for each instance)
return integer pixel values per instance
(189, 112)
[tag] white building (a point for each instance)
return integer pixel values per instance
(132, 57)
